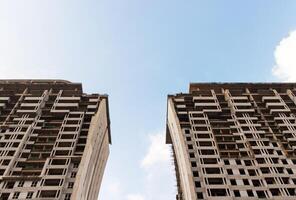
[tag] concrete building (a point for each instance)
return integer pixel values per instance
(234, 141)
(54, 140)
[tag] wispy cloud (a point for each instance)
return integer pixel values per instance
(285, 68)
(158, 151)
(157, 166)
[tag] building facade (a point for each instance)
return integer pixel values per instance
(54, 140)
(234, 141)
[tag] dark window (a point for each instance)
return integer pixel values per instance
(284, 162)
(70, 185)
(233, 182)
(250, 193)
(199, 195)
(193, 164)
(197, 184)
(261, 194)
(34, 184)
(29, 195)
(16, 195)
(290, 171)
(195, 173)
(9, 185)
(236, 193)
(238, 162)
(21, 184)
(242, 171)
(229, 171)
(275, 192)
(246, 182)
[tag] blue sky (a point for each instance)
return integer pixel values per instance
(140, 51)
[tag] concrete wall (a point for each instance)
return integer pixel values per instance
(91, 168)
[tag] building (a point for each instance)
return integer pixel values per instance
(54, 140)
(234, 140)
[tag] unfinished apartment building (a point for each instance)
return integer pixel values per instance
(54, 140)
(234, 141)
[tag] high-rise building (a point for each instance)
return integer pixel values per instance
(54, 140)
(234, 140)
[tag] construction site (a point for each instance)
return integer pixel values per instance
(54, 140)
(234, 140)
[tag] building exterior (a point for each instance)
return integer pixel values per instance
(234, 141)
(54, 140)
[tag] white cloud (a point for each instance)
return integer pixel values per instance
(285, 58)
(158, 167)
(156, 179)
(135, 197)
(158, 151)
(111, 189)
